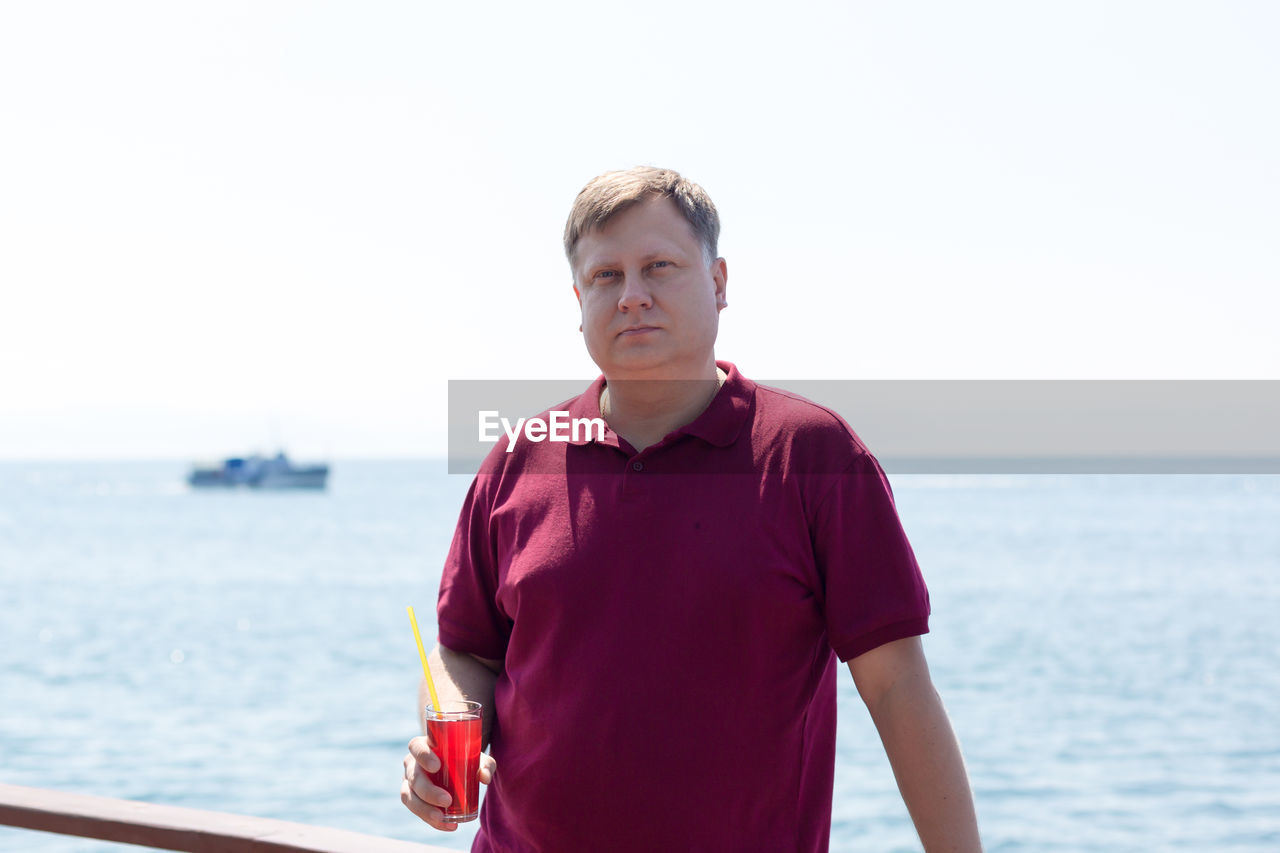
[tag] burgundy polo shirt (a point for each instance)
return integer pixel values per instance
(669, 623)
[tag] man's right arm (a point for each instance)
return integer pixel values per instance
(457, 676)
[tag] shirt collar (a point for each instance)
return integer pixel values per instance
(719, 424)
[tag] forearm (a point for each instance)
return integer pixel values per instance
(460, 676)
(927, 764)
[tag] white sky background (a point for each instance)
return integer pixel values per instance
(228, 224)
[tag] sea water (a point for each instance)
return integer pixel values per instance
(1108, 649)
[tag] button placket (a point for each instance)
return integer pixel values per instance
(632, 488)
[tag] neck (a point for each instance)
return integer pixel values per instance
(643, 411)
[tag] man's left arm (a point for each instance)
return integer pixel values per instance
(893, 680)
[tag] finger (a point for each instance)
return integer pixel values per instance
(422, 786)
(487, 768)
(428, 813)
(420, 749)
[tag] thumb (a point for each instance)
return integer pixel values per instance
(487, 767)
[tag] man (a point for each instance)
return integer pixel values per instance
(652, 620)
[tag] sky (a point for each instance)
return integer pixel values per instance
(226, 226)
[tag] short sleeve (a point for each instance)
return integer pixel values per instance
(467, 611)
(873, 590)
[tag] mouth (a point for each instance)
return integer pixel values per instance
(637, 330)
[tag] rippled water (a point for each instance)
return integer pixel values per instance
(1107, 648)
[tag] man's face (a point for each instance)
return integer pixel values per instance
(650, 300)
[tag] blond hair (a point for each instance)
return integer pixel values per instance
(607, 195)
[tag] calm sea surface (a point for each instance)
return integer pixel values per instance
(1108, 648)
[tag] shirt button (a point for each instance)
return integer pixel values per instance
(637, 466)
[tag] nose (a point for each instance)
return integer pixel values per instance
(635, 295)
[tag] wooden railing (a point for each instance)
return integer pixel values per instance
(177, 828)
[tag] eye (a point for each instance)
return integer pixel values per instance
(603, 274)
(659, 264)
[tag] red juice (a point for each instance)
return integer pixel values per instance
(455, 739)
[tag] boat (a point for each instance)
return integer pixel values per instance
(259, 472)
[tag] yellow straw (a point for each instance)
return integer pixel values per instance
(426, 670)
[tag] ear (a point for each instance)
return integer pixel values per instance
(720, 275)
